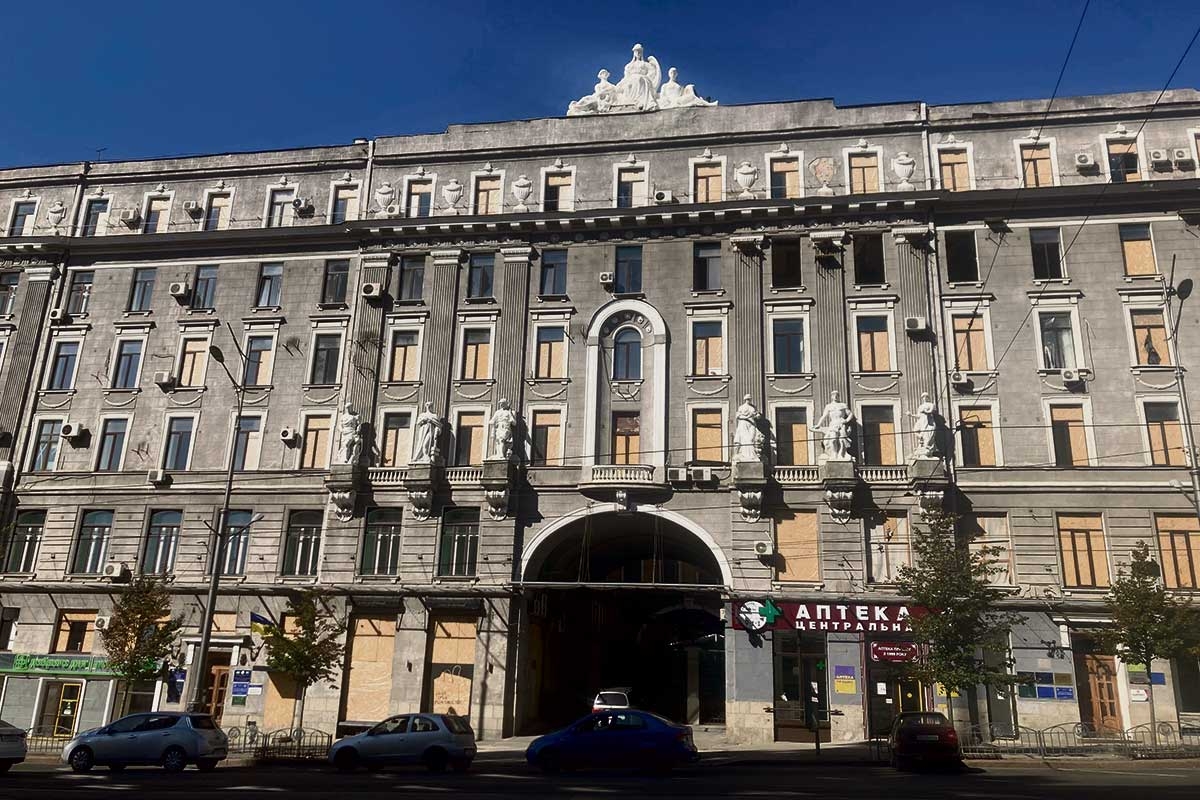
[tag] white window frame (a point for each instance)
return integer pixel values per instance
(855, 150)
(112, 375)
(1145, 305)
(773, 409)
(455, 415)
(398, 408)
(868, 311)
(38, 419)
(334, 188)
(975, 306)
(1052, 141)
(644, 166)
(469, 322)
(562, 323)
(721, 317)
(209, 194)
(289, 216)
(968, 148)
(257, 330)
(147, 198)
(1088, 428)
(706, 161)
(325, 327)
(897, 423)
(262, 435)
(1062, 256)
(12, 213)
(56, 341)
(530, 410)
(166, 437)
(3, 346)
(202, 331)
(788, 309)
(305, 414)
(485, 173)
(545, 174)
(1076, 331)
(406, 327)
(1139, 141)
(1153, 397)
(101, 221)
(971, 402)
(104, 418)
(789, 155)
(406, 196)
(692, 406)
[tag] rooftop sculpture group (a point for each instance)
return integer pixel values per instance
(638, 90)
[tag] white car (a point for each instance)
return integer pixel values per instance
(611, 700)
(434, 740)
(12, 746)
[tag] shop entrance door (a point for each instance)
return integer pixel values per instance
(1095, 676)
(218, 687)
(60, 707)
(799, 677)
(910, 695)
(892, 691)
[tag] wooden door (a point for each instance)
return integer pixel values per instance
(218, 687)
(1096, 680)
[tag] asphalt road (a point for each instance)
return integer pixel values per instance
(1010, 780)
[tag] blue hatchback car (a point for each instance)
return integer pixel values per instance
(620, 738)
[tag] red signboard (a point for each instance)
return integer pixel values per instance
(844, 617)
(893, 651)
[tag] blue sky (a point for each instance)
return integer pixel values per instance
(145, 79)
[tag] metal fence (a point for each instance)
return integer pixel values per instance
(1166, 740)
(284, 744)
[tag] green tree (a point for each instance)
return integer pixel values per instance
(1147, 622)
(964, 632)
(309, 647)
(140, 632)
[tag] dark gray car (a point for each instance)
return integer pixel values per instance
(169, 739)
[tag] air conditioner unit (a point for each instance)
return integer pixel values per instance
(103, 620)
(70, 430)
(58, 315)
(1160, 158)
(156, 477)
(763, 548)
(677, 474)
(164, 379)
(959, 380)
(303, 206)
(130, 216)
(1183, 158)
(287, 436)
(1070, 376)
(664, 196)
(179, 290)
(701, 474)
(1084, 160)
(192, 208)
(916, 325)
(372, 291)
(115, 572)
(606, 278)
(391, 210)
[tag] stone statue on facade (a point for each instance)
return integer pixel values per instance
(350, 427)
(926, 428)
(834, 427)
(673, 95)
(747, 434)
(638, 90)
(429, 429)
(504, 426)
(603, 95)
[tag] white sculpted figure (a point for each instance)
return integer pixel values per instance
(429, 428)
(599, 101)
(926, 428)
(504, 424)
(834, 425)
(639, 88)
(747, 436)
(673, 95)
(351, 432)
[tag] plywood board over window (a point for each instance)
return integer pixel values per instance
(1179, 540)
(797, 546)
(1084, 552)
(1137, 250)
(451, 666)
(709, 186)
(368, 682)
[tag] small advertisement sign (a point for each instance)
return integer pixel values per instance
(895, 652)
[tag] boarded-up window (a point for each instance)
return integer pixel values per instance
(709, 184)
(631, 187)
(368, 682)
(1137, 249)
(1165, 434)
(404, 356)
(888, 547)
(192, 362)
(1179, 539)
(225, 621)
(1070, 438)
(551, 361)
(706, 435)
(956, 176)
(707, 349)
(1036, 165)
(397, 439)
(874, 353)
(279, 707)
(559, 192)
(785, 178)
(451, 666)
(1084, 554)
(791, 436)
(1123, 161)
(315, 453)
(477, 355)
(420, 198)
(1150, 337)
(487, 195)
(879, 435)
(547, 439)
(978, 436)
(970, 342)
(864, 173)
(797, 546)
(468, 438)
(990, 532)
(627, 438)
(76, 632)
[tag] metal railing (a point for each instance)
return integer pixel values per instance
(292, 744)
(797, 475)
(1168, 740)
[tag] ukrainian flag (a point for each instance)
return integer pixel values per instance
(259, 623)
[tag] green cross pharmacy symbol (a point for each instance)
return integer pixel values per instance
(758, 615)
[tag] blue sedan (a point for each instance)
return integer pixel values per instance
(623, 738)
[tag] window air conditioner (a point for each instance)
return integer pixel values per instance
(287, 436)
(959, 380)
(1160, 158)
(701, 474)
(664, 196)
(606, 278)
(1183, 158)
(391, 210)
(58, 315)
(1070, 376)
(1084, 160)
(303, 206)
(115, 572)
(102, 620)
(130, 216)
(763, 548)
(372, 291)
(677, 474)
(192, 208)
(915, 326)
(179, 290)
(157, 477)
(70, 430)
(164, 379)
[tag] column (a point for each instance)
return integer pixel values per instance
(365, 349)
(437, 360)
(20, 378)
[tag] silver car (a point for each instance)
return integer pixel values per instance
(434, 740)
(12, 746)
(170, 739)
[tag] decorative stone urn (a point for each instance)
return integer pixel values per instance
(903, 165)
(452, 192)
(56, 213)
(385, 195)
(522, 187)
(745, 175)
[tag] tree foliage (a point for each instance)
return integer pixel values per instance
(964, 633)
(141, 630)
(311, 648)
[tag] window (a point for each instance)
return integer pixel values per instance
(317, 432)
(559, 192)
(204, 293)
(1068, 436)
(94, 531)
(420, 199)
(193, 360)
(1046, 247)
(397, 439)
(879, 435)
(627, 436)
(707, 348)
(405, 362)
(327, 348)
(162, 539)
(956, 172)
(554, 274)
(45, 451)
(970, 342)
(237, 542)
(785, 264)
(874, 353)
(112, 444)
(546, 439)
(864, 173)
(709, 183)
(333, 288)
(785, 178)
(179, 443)
(270, 285)
(1186, 675)
(1165, 434)
(887, 548)
(216, 214)
(1084, 555)
(477, 351)
(128, 362)
(381, 542)
(345, 205)
(990, 532)
(551, 360)
(787, 344)
(141, 292)
(80, 292)
(791, 437)
(627, 355)
(75, 634)
(1036, 165)
(95, 217)
(487, 195)
(412, 278)
(631, 187)
(707, 437)
(8, 291)
(459, 543)
(1058, 340)
(468, 439)
(20, 555)
(962, 259)
(280, 209)
(302, 543)
(62, 368)
(247, 443)
(158, 211)
(259, 357)
(629, 270)
(480, 273)
(1150, 337)
(1137, 249)
(23, 218)
(977, 429)
(797, 548)
(868, 259)
(1123, 161)
(1179, 539)
(706, 266)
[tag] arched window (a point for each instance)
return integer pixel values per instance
(627, 355)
